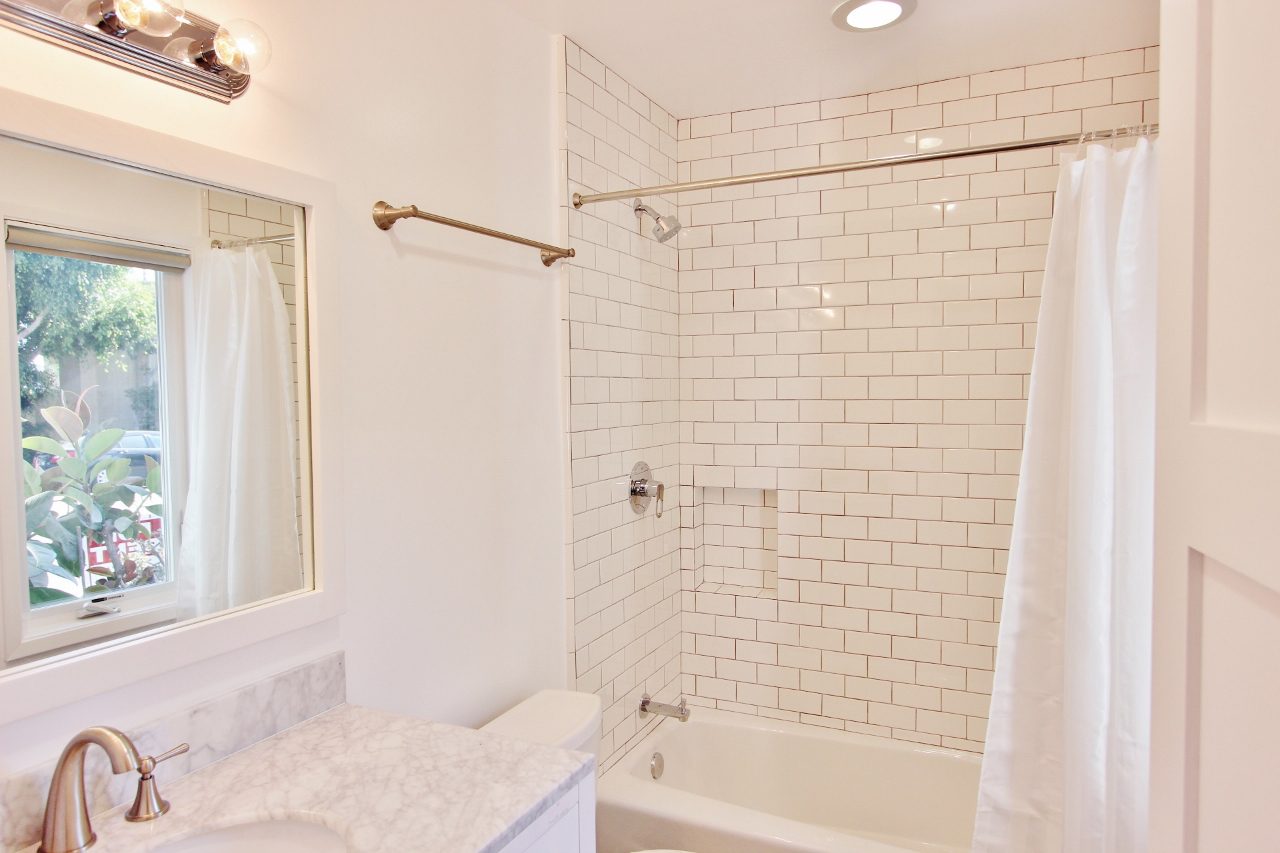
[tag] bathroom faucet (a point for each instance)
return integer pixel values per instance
(679, 712)
(66, 815)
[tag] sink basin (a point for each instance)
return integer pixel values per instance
(272, 836)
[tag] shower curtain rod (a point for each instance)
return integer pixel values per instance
(806, 171)
(239, 244)
(385, 216)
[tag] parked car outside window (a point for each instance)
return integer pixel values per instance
(136, 446)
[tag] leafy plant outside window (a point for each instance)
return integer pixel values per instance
(80, 497)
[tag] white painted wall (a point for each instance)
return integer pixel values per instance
(450, 477)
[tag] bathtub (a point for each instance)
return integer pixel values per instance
(734, 783)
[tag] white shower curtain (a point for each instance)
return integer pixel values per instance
(1065, 767)
(240, 530)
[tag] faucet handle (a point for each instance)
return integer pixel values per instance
(148, 804)
(149, 763)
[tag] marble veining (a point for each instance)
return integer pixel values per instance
(383, 781)
(215, 729)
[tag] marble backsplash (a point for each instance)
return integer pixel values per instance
(215, 729)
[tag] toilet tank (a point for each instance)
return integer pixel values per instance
(563, 718)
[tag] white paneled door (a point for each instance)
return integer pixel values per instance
(1216, 694)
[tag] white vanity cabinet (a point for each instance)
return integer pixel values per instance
(568, 826)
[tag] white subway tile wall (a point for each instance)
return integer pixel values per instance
(621, 331)
(854, 356)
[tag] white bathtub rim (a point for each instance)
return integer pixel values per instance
(734, 719)
(627, 785)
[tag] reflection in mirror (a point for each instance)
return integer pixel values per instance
(156, 401)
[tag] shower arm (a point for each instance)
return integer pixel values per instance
(385, 216)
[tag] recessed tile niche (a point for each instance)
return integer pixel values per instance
(740, 541)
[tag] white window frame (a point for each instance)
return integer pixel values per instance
(112, 664)
(35, 631)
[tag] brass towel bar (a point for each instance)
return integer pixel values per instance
(385, 216)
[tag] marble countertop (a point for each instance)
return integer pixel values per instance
(383, 781)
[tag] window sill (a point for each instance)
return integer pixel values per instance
(68, 632)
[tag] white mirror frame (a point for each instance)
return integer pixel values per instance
(56, 681)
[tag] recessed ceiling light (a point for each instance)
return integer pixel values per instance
(871, 14)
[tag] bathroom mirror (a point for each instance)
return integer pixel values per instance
(154, 427)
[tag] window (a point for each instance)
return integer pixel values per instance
(95, 333)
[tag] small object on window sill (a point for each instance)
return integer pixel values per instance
(97, 607)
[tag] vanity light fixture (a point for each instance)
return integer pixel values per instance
(861, 15)
(121, 17)
(160, 39)
(238, 47)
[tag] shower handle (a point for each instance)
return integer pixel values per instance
(643, 489)
(647, 489)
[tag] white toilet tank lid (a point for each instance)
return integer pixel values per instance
(562, 718)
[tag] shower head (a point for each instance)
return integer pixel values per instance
(664, 228)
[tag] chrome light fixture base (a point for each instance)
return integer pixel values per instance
(133, 50)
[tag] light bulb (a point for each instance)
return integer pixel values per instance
(131, 14)
(157, 17)
(242, 46)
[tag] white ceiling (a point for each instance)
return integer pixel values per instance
(698, 57)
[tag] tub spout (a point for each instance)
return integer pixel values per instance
(648, 706)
